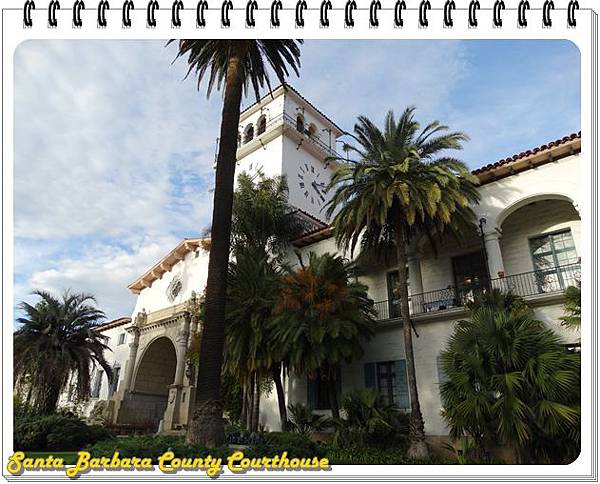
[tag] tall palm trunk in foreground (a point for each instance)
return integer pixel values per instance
(233, 65)
(206, 425)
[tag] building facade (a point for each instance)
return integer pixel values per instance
(528, 241)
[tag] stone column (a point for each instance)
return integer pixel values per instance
(494, 254)
(181, 347)
(133, 348)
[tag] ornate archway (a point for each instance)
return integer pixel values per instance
(154, 375)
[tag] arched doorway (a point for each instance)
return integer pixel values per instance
(155, 373)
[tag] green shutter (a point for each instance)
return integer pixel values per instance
(312, 393)
(369, 369)
(401, 397)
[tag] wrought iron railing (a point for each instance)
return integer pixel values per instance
(531, 283)
(541, 281)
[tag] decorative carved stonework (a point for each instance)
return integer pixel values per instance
(141, 319)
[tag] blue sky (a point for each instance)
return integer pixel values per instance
(114, 149)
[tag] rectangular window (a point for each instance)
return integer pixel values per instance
(121, 338)
(390, 379)
(115, 381)
(552, 256)
(470, 275)
(97, 384)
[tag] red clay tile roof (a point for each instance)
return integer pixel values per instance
(530, 152)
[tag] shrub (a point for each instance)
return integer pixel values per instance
(371, 455)
(296, 445)
(510, 381)
(303, 421)
(55, 433)
(370, 421)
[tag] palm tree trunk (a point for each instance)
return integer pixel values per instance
(280, 396)
(256, 403)
(418, 447)
(206, 425)
(244, 413)
(250, 402)
(333, 401)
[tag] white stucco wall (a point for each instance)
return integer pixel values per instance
(193, 271)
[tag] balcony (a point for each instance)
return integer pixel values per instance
(547, 281)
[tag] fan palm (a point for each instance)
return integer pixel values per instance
(572, 307)
(399, 185)
(56, 341)
(322, 319)
(236, 66)
(509, 380)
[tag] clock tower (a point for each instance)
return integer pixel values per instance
(284, 134)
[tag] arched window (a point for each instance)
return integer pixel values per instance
(261, 125)
(312, 130)
(248, 133)
(300, 123)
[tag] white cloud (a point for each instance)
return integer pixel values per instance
(103, 270)
(114, 151)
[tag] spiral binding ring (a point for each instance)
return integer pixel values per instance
(200, 8)
(573, 5)
(150, 19)
(423, 7)
(449, 6)
(102, 7)
(400, 5)
(127, 6)
(276, 6)
(77, 6)
(301, 6)
(325, 7)
(498, 7)
(225, 8)
(27, 8)
(373, 9)
(250, 7)
(546, 20)
(175, 18)
(348, 11)
(523, 7)
(54, 4)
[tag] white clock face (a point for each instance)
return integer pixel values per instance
(312, 181)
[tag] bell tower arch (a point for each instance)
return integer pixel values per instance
(295, 139)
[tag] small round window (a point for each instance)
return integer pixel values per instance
(174, 288)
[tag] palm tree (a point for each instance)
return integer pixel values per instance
(510, 380)
(57, 340)
(572, 308)
(236, 66)
(263, 223)
(252, 291)
(398, 186)
(322, 319)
